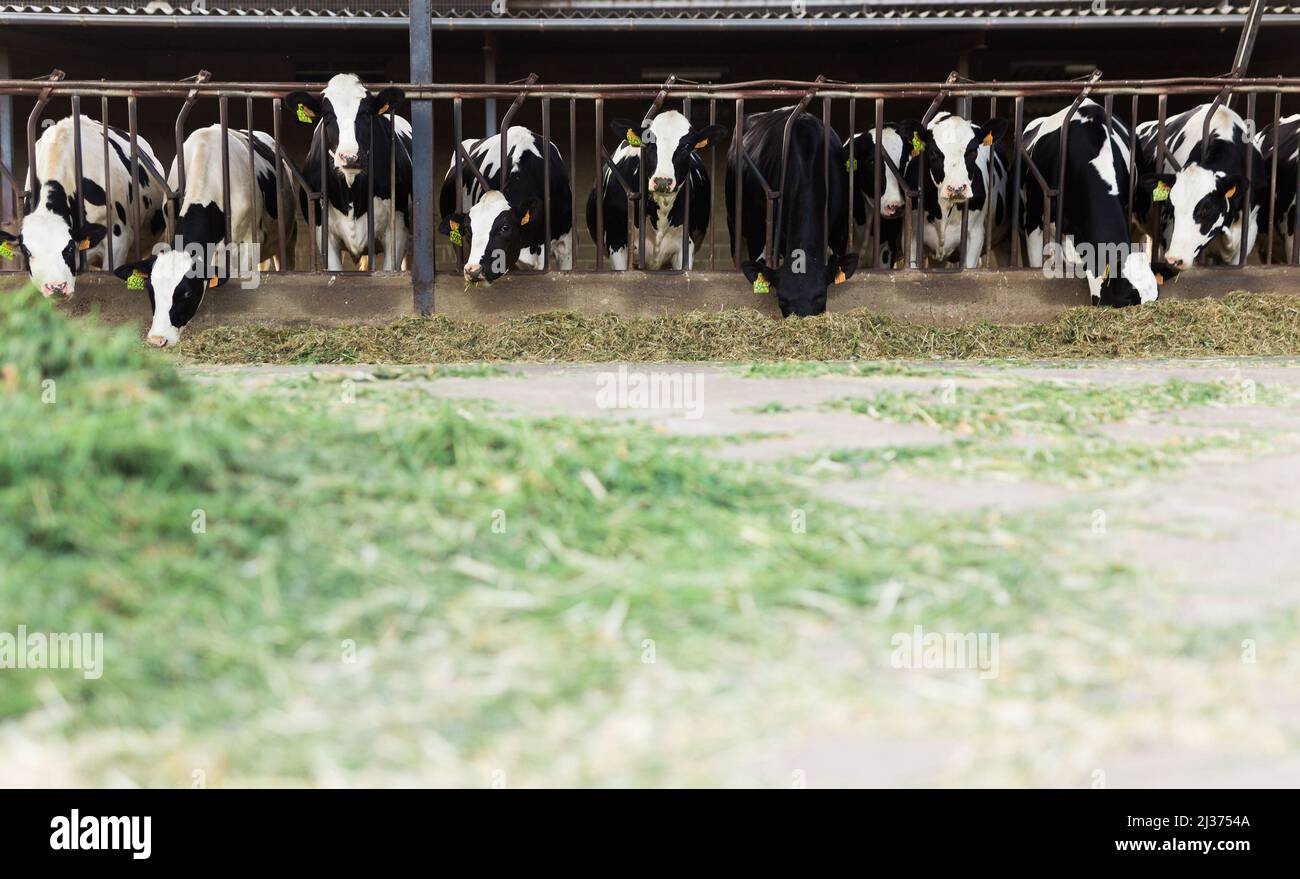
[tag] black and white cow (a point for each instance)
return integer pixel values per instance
(51, 237)
(359, 139)
(1096, 231)
(1202, 205)
(192, 260)
(962, 167)
(805, 269)
(506, 227)
(1288, 160)
(896, 143)
(670, 148)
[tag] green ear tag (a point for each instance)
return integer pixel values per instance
(1161, 192)
(632, 139)
(136, 281)
(761, 286)
(5, 250)
(850, 165)
(456, 238)
(304, 115)
(918, 145)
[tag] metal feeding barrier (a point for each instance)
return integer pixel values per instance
(840, 103)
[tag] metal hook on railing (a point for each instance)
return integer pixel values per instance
(42, 99)
(199, 78)
(658, 102)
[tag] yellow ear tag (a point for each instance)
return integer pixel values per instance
(455, 235)
(632, 139)
(382, 110)
(1161, 192)
(988, 139)
(1160, 280)
(136, 281)
(83, 244)
(305, 115)
(918, 145)
(702, 144)
(1230, 193)
(212, 282)
(850, 165)
(840, 277)
(5, 250)
(527, 215)
(761, 286)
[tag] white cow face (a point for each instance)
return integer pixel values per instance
(1201, 204)
(51, 243)
(952, 154)
(666, 148)
(492, 228)
(347, 110)
(896, 143)
(175, 283)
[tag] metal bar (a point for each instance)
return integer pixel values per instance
(370, 202)
(1272, 176)
(110, 263)
(876, 173)
(505, 126)
(546, 183)
(79, 197)
(224, 111)
(1250, 176)
(422, 176)
(826, 177)
(280, 224)
(573, 182)
(600, 184)
(253, 224)
(713, 177)
(137, 211)
(1014, 202)
(738, 144)
(688, 243)
(322, 156)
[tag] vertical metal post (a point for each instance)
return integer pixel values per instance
(489, 78)
(7, 206)
(422, 278)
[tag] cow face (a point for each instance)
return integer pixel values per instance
(801, 293)
(666, 148)
(952, 150)
(175, 284)
(346, 111)
(51, 240)
(492, 228)
(895, 142)
(1203, 203)
(1137, 282)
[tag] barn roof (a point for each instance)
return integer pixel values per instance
(548, 14)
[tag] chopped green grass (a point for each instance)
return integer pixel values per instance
(1239, 324)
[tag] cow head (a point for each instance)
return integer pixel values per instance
(1135, 282)
(896, 141)
(492, 228)
(175, 282)
(666, 148)
(1202, 204)
(800, 289)
(950, 152)
(346, 110)
(52, 240)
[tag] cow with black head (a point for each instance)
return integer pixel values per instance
(506, 227)
(358, 126)
(670, 147)
(810, 255)
(898, 142)
(963, 172)
(1202, 206)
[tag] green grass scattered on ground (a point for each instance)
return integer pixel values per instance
(1239, 324)
(388, 593)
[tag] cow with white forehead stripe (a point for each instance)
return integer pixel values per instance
(963, 169)
(670, 149)
(896, 143)
(176, 279)
(1095, 217)
(359, 137)
(506, 227)
(1287, 149)
(1202, 205)
(51, 237)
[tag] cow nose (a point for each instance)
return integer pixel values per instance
(957, 191)
(662, 184)
(1176, 262)
(892, 207)
(158, 341)
(473, 272)
(54, 289)
(347, 159)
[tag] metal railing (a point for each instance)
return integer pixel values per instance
(841, 103)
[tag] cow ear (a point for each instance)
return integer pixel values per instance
(993, 131)
(528, 210)
(758, 274)
(452, 226)
(387, 98)
(305, 107)
(90, 235)
(627, 130)
(135, 273)
(841, 268)
(1230, 185)
(710, 134)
